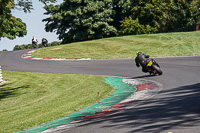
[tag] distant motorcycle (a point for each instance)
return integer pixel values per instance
(45, 44)
(153, 67)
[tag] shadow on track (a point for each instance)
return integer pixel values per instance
(177, 107)
(144, 76)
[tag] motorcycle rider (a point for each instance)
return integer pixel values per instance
(44, 42)
(141, 60)
(34, 42)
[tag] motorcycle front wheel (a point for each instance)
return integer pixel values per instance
(157, 69)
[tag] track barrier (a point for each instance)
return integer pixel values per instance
(1, 76)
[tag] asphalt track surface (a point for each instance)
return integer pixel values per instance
(176, 108)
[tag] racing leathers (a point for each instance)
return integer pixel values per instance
(34, 42)
(141, 60)
(44, 42)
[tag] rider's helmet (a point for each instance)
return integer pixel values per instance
(139, 52)
(44, 37)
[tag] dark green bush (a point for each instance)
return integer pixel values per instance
(30, 46)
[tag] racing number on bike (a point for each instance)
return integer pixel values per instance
(150, 63)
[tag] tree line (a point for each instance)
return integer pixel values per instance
(80, 20)
(30, 46)
(10, 26)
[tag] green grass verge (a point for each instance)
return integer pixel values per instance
(156, 45)
(30, 99)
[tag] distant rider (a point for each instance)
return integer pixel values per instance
(44, 42)
(141, 60)
(34, 42)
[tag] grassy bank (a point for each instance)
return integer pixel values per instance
(156, 45)
(30, 99)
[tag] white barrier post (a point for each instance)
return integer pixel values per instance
(1, 77)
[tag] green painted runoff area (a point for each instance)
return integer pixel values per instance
(122, 92)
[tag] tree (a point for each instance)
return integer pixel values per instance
(26, 5)
(143, 19)
(161, 15)
(195, 10)
(133, 27)
(79, 20)
(11, 26)
(17, 47)
(178, 13)
(121, 9)
(147, 12)
(55, 43)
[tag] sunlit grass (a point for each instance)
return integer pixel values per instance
(30, 99)
(156, 45)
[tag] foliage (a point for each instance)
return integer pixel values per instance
(11, 26)
(144, 18)
(194, 8)
(26, 5)
(78, 20)
(30, 46)
(162, 16)
(147, 11)
(55, 43)
(178, 13)
(133, 27)
(120, 10)
(22, 47)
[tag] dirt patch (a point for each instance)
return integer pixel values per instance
(56, 48)
(3, 82)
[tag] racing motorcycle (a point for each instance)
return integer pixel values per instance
(153, 67)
